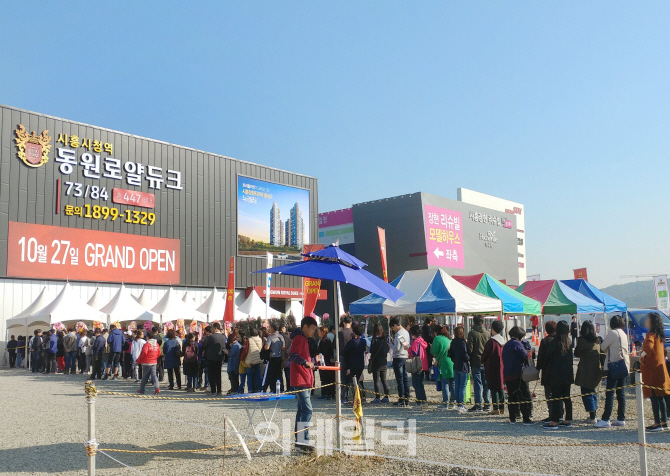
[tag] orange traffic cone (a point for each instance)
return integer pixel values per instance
(537, 338)
(634, 353)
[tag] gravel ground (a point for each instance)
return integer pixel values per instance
(48, 416)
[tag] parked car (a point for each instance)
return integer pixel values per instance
(637, 330)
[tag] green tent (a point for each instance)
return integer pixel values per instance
(513, 301)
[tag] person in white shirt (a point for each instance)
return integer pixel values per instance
(400, 346)
(85, 359)
(615, 346)
(135, 351)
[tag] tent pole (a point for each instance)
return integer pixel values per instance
(338, 402)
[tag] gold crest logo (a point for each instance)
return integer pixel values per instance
(33, 149)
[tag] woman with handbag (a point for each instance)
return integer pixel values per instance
(515, 358)
(654, 371)
(589, 371)
(458, 352)
(617, 365)
(172, 351)
(561, 377)
(419, 349)
(379, 349)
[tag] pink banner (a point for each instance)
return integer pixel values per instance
(444, 237)
(335, 218)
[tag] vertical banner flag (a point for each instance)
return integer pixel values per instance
(382, 249)
(340, 303)
(267, 287)
(580, 273)
(310, 286)
(229, 313)
(661, 290)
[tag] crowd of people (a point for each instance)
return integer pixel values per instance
(277, 358)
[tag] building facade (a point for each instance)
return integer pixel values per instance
(99, 207)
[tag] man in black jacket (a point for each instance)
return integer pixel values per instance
(97, 351)
(574, 331)
(213, 351)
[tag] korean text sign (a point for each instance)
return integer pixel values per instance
(54, 252)
(444, 237)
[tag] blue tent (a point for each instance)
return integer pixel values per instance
(590, 291)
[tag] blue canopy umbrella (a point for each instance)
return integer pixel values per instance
(338, 266)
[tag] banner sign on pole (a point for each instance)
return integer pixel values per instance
(661, 290)
(382, 249)
(533, 277)
(580, 274)
(310, 287)
(229, 313)
(268, 281)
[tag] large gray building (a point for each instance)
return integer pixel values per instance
(96, 206)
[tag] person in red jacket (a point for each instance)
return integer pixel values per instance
(149, 356)
(302, 380)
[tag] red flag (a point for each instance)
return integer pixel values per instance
(310, 287)
(382, 249)
(229, 313)
(580, 274)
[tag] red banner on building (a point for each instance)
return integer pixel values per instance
(56, 252)
(229, 313)
(382, 249)
(310, 287)
(580, 274)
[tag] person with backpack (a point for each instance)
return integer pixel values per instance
(148, 358)
(173, 354)
(190, 363)
(116, 342)
(253, 361)
(274, 345)
(70, 347)
(477, 339)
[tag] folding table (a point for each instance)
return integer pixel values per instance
(258, 398)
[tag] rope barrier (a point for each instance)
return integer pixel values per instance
(199, 399)
(122, 463)
(440, 402)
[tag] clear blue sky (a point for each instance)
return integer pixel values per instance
(562, 106)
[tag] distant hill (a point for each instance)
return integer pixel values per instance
(634, 294)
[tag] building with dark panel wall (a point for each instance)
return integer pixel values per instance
(171, 203)
(426, 231)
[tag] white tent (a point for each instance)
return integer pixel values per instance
(171, 308)
(96, 301)
(144, 300)
(21, 318)
(189, 299)
(214, 306)
(66, 307)
(295, 309)
(124, 308)
(427, 291)
(254, 307)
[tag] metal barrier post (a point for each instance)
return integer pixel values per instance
(641, 436)
(91, 444)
